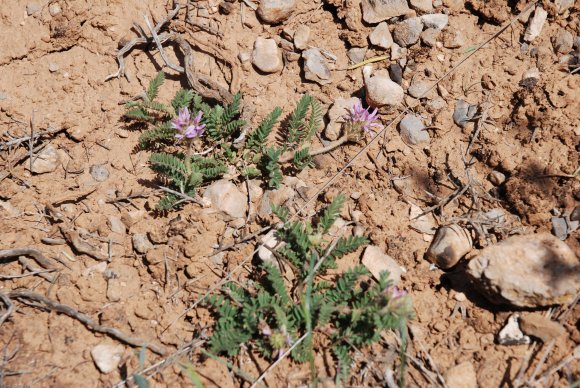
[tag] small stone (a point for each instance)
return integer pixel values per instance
(356, 54)
(227, 198)
(407, 32)
(315, 67)
(54, 9)
(52, 67)
(436, 20)
(116, 225)
(461, 376)
(266, 56)
(376, 262)
(99, 172)
(244, 56)
(336, 115)
(269, 242)
(527, 271)
(130, 218)
(453, 39)
(511, 334)
(107, 357)
(45, 161)
(122, 133)
(413, 131)
(560, 227)
(141, 243)
(536, 24)
(563, 5)
(301, 37)
(460, 297)
(536, 325)
(461, 114)
(450, 244)
(376, 11)
(275, 11)
(436, 104)
(227, 8)
(32, 8)
(429, 36)
(454, 5)
(422, 5)
(398, 52)
(396, 73)
(562, 42)
(381, 91)
(381, 36)
(418, 88)
(496, 177)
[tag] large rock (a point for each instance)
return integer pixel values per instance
(527, 271)
(275, 11)
(266, 55)
(227, 198)
(376, 11)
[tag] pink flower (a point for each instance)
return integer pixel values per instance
(187, 127)
(363, 119)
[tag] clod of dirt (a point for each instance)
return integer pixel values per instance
(141, 243)
(453, 39)
(422, 5)
(107, 356)
(227, 198)
(536, 24)
(376, 262)
(536, 325)
(275, 11)
(381, 36)
(562, 41)
(376, 11)
(116, 225)
(461, 376)
(436, 20)
(413, 131)
(336, 115)
(450, 244)
(123, 282)
(407, 32)
(381, 91)
(429, 36)
(266, 56)
(315, 67)
(46, 161)
(301, 37)
(527, 271)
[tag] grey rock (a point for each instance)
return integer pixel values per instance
(54, 9)
(244, 56)
(53, 67)
(429, 36)
(418, 88)
(376, 11)
(301, 37)
(336, 116)
(116, 225)
(422, 5)
(381, 91)
(561, 227)
(32, 8)
(413, 131)
(275, 11)
(227, 198)
(453, 39)
(576, 41)
(450, 244)
(141, 243)
(315, 67)
(461, 376)
(461, 114)
(107, 357)
(497, 177)
(562, 41)
(356, 54)
(398, 52)
(563, 5)
(45, 161)
(376, 261)
(266, 55)
(407, 32)
(527, 271)
(396, 73)
(575, 215)
(435, 20)
(511, 334)
(536, 24)
(99, 172)
(381, 36)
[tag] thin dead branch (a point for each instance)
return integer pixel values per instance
(35, 254)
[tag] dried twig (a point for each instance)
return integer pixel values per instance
(9, 307)
(35, 254)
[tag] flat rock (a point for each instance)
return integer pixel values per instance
(527, 271)
(407, 32)
(315, 67)
(45, 161)
(376, 262)
(413, 131)
(418, 88)
(275, 11)
(450, 244)
(453, 39)
(422, 5)
(396, 73)
(461, 376)
(381, 36)
(116, 225)
(536, 24)
(376, 11)
(461, 113)
(266, 55)
(227, 198)
(381, 91)
(99, 172)
(356, 54)
(141, 243)
(336, 116)
(123, 282)
(107, 357)
(435, 20)
(429, 36)
(537, 325)
(301, 37)
(562, 41)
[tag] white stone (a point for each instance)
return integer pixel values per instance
(275, 11)
(435, 20)
(381, 91)
(376, 11)
(315, 67)
(301, 37)
(381, 36)
(227, 198)
(413, 131)
(536, 24)
(107, 357)
(266, 55)
(376, 261)
(45, 161)
(269, 242)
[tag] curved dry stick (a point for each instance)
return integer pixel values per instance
(9, 307)
(86, 320)
(35, 254)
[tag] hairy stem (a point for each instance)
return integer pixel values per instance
(288, 156)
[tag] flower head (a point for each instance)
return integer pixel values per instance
(185, 126)
(360, 121)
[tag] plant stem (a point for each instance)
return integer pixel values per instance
(188, 158)
(288, 156)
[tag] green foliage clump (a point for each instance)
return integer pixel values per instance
(350, 312)
(224, 138)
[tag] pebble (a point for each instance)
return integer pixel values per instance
(315, 67)
(227, 198)
(275, 11)
(32, 8)
(422, 5)
(244, 56)
(429, 37)
(418, 88)
(381, 91)
(381, 36)
(453, 39)
(52, 67)
(527, 271)
(537, 325)
(376, 11)
(413, 131)
(536, 24)
(54, 9)
(336, 115)
(435, 20)
(141, 243)
(301, 37)
(107, 357)
(560, 227)
(356, 54)
(45, 161)
(376, 262)
(268, 243)
(436, 104)
(562, 41)
(450, 244)
(116, 225)
(396, 73)
(461, 114)
(407, 32)
(227, 8)
(461, 376)
(511, 334)
(397, 52)
(99, 172)
(496, 177)
(266, 55)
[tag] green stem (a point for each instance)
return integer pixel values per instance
(288, 156)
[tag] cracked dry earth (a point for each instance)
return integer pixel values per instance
(91, 194)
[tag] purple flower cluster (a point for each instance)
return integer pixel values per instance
(364, 120)
(185, 126)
